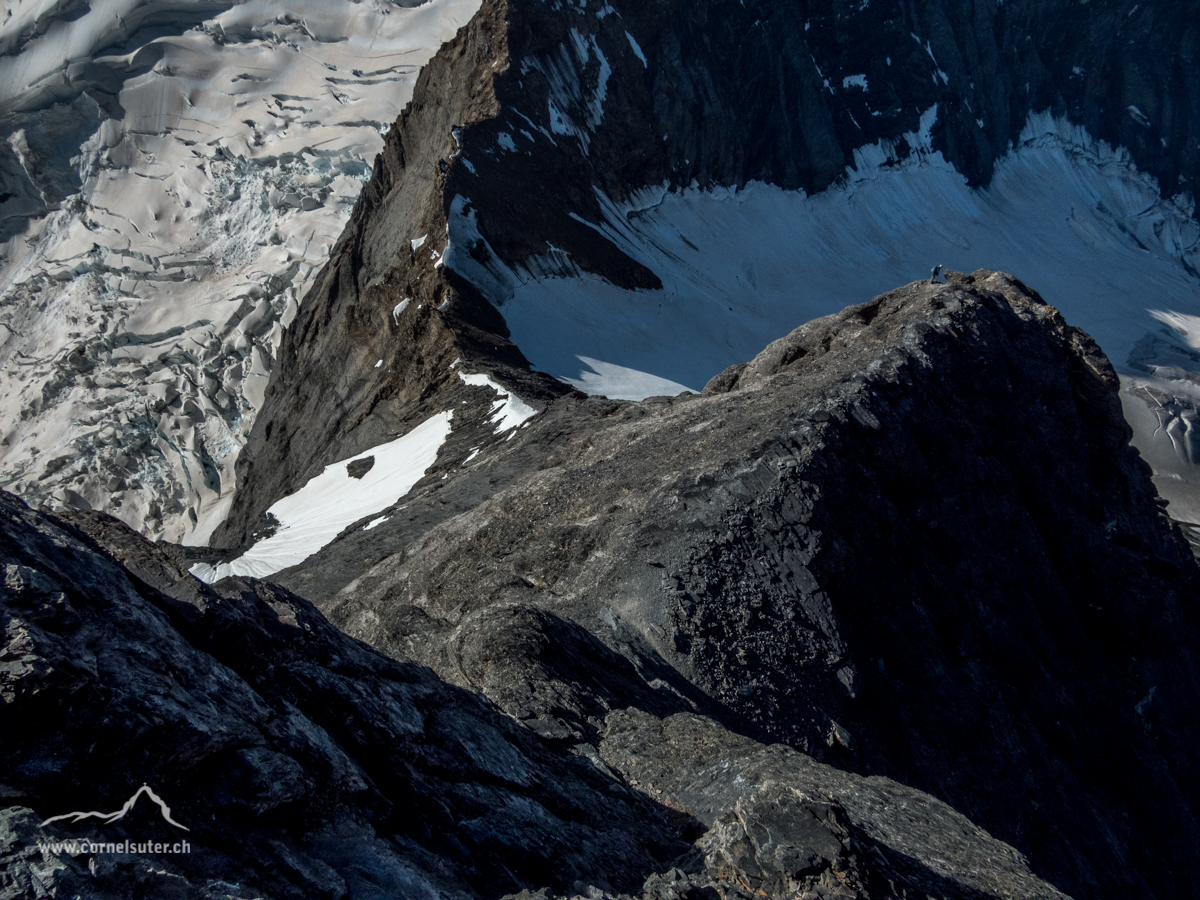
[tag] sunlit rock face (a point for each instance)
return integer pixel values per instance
(171, 178)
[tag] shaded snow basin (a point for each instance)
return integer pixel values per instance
(1069, 216)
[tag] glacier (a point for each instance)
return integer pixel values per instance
(174, 176)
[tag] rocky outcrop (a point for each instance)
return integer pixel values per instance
(304, 764)
(374, 349)
(910, 539)
(537, 115)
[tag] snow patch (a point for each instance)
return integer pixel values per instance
(1138, 116)
(937, 70)
(491, 275)
(637, 50)
(921, 140)
(622, 382)
(564, 70)
(509, 410)
(313, 516)
(1185, 325)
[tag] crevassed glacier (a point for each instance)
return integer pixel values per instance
(168, 194)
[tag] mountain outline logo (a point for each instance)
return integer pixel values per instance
(109, 818)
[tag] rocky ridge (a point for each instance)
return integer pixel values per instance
(910, 540)
(601, 102)
(304, 764)
(123, 216)
(836, 628)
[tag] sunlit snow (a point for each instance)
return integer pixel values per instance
(318, 512)
(509, 410)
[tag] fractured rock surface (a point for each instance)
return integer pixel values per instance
(305, 764)
(910, 539)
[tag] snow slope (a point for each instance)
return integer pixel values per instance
(166, 196)
(318, 512)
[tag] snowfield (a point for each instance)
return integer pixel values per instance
(1068, 215)
(169, 192)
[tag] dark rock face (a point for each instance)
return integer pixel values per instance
(304, 764)
(715, 93)
(534, 107)
(910, 539)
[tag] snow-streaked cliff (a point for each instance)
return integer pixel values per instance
(172, 175)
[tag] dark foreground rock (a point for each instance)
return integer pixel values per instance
(303, 764)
